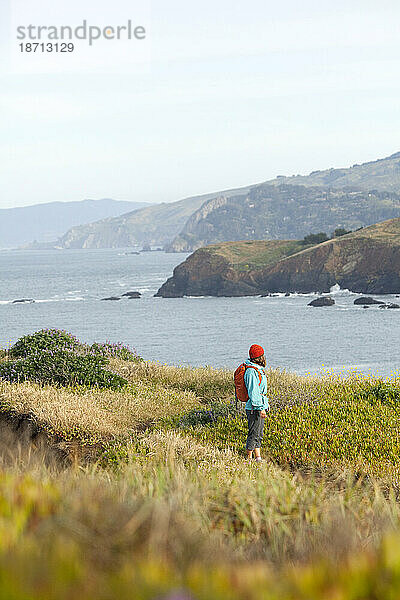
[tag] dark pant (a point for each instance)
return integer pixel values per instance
(256, 427)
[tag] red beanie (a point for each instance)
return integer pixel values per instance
(256, 351)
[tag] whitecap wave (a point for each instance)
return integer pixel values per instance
(336, 290)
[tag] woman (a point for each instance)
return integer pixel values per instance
(257, 404)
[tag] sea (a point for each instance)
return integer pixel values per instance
(68, 286)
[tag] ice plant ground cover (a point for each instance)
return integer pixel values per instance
(143, 491)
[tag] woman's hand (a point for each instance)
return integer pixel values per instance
(263, 414)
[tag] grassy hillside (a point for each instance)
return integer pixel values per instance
(382, 174)
(254, 254)
(388, 232)
(144, 492)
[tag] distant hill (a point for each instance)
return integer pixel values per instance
(47, 222)
(283, 212)
(155, 225)
(285, 207)
(291, 207)
(382, 175)
(366, 261)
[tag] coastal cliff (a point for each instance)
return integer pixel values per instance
(205, 273)
(366, 261)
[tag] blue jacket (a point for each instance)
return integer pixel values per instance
(258, 399)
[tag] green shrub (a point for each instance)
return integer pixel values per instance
(46, 340)
(315, 238)
(115, 350)
(340, 231)
(62, 367)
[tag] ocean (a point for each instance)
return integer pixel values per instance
(68, 286)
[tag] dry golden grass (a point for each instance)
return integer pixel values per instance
(155, 392)
(209, 384)
(98, 413)
(255, 253)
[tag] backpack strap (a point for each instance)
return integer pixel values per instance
(255, 368)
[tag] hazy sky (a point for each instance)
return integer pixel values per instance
(230, 93)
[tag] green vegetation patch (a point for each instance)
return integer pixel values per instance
(45, 340)
(115, 350)
(361, 428)
(52, 356)
(248, 255)
(62, 368)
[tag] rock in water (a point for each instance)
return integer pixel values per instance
(390, 305)
(324, 301)
(131, 295)
(110, 299)
(364, 300)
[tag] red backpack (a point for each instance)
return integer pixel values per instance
(240, 386)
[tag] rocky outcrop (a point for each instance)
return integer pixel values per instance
(130, 295)
(324, 301)
(367, 261)
(205, 274)
(366, 300)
